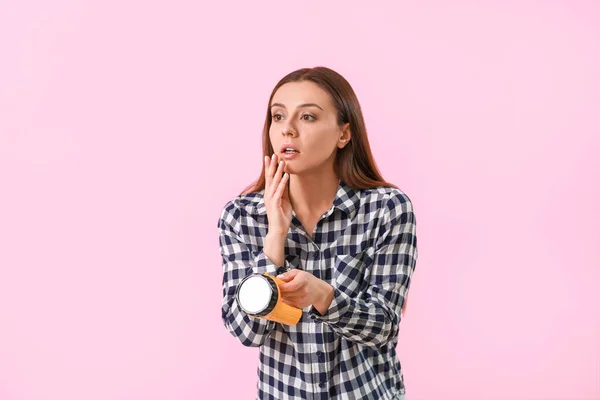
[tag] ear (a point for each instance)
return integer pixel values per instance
(345, 136)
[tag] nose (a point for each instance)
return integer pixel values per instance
(288, 129)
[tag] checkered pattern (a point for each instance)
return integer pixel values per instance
(365, 246)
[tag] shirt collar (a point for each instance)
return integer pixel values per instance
(346, 199)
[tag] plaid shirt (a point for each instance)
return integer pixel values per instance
(365, 246)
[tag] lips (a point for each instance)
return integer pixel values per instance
(289, 146)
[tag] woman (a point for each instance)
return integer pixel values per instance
(321, 211)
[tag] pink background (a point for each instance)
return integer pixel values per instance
(125, 127)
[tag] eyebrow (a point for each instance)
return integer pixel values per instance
(300, 106)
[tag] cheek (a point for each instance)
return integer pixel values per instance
(274, 138)
(322, 134)
(324, 142)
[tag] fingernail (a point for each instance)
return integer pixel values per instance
(273, 156)
(266, 158)
(282, 276)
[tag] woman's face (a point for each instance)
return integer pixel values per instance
(303, 117)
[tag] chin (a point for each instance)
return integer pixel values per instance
(296, 168)
(290, 170)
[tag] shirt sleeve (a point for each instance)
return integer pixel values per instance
(238, 262)
(373, 318)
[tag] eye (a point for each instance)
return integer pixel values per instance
(308, 117)
(276, 117)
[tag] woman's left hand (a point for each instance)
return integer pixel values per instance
(302, 289)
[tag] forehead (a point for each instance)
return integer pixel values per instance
(295, 93)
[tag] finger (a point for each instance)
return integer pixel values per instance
(276, 179)
(286, 192)
(295, 284)
(281, 186)
(269, 172)
(284, 278)
(267, 163)
(288, 275)
(287, 301)
(291, 303)
(293, 297)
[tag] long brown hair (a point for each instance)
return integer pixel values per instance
(354, 164)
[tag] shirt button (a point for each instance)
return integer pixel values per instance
(319, 353)
(322, 384)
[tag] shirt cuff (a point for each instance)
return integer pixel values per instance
(264, 264)
(338, 307)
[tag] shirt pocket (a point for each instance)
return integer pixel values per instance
(350, 272)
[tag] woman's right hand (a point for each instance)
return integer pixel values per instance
(277, 199)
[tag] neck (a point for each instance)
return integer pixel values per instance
(313, 194)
